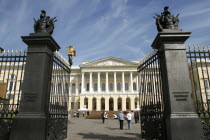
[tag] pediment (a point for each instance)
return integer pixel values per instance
(111, 61)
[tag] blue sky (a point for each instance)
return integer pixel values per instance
(102, 28)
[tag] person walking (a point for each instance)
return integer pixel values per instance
(121, 119)
(77, 114)
(129, 119)
(136, 116)
(103, 116)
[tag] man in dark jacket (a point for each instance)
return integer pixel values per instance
(136, 116)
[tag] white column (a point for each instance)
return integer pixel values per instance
(107, 76)
(115, 82)
(123, 82)
(137, 82)
(77, 85)
(91, 82)
(83, 80)
(131, 82)
(99, 82)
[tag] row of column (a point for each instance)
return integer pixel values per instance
(115, 104)
(107, 79)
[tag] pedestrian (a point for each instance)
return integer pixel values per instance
(83, 114)
(87, 113)
(129, 119)
(121, 119)
(132, 113)
(77, 114)
(103, 116)
(136, 117)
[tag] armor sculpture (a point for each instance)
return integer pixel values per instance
(45, 24)
(166, 20)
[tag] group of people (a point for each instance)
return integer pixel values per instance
(83, 114)
(121, 117)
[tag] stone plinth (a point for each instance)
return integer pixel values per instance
(181, 120)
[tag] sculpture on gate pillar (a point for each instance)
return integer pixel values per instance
(166, 20)
(71, 52)
(45, 24)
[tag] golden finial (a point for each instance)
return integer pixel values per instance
(188, 47)
(203, 47)
(71, 50)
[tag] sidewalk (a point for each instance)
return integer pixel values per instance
(94, 129)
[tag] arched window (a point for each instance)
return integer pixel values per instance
(66, 87)
(87, 87)
(126, 86)
(80, 87)
(95, 86)
(134, 86)
(73, 89)
(118, 86)
(110, 86)
(103, 86)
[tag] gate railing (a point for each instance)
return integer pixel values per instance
(12, 65)
(152, 110)
(58, 113)
(199, 67)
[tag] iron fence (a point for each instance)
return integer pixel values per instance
(199, 67)
(58, 113)
(152, 110)
(12, 65)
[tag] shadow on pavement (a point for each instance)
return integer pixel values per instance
(106, 137)
(112, 128)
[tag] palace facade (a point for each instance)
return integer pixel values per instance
(108, 84)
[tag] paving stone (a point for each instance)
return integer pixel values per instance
(94, 129)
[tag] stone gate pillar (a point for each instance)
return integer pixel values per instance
(30, 123)
(182, 123)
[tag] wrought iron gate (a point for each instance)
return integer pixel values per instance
(151, 98)
(199, 66)
(57, 120)
(12, 65)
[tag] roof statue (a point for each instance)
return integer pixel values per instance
(45, 24)
(166, 20)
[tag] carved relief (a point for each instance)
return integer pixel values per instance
(110, 63)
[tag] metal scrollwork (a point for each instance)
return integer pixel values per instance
(4, 130)
(57, 129)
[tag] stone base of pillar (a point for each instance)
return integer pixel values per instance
(28, 129)
(180, 127)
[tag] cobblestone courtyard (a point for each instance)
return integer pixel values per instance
(94, 129)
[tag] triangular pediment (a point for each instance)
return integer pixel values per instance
(110, 61)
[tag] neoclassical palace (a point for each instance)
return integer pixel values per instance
(108, 84)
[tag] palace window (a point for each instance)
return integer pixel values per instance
(206, 83)
(87, 87)
(72, 105)
(78, 105)
(59, 88)
(11, 76)
(11, 86)
(149, 87)
(80, 87)
(126, 86)
(103, 86)
(66, 87)
(73, 88)
(118, 86)
(95, 86)
(110, 86)
(134, 86)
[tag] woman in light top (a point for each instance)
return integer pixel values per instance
(129, 119)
